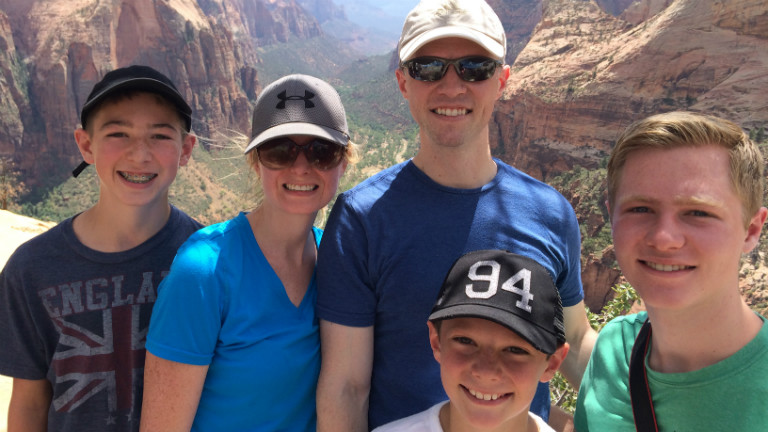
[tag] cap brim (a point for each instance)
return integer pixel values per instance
(143, 84)
(298, 128)
(489, 44)
(541, 339)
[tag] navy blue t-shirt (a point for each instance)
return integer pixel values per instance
(391, 240)
(79, 318)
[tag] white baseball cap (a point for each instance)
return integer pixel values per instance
(473, 20)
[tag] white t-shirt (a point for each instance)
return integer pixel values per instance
(429, 421)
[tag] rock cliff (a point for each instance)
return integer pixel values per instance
(49, 63)
(14, 104)
(520, 18)
(586, 74)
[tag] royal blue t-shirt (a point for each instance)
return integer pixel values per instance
(389, 244)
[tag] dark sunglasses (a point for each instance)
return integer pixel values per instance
(282, 152)
(429, 69)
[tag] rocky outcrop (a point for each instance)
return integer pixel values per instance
(520, 18)
(263, 22)
(615, 7)
(49, 64)
(598, 274)
(323, 10)
(14, 102)
(640, 11)
(586, 74)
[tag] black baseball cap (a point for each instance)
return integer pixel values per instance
(509, 289)
(134, 78)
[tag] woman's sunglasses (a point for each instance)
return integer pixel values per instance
(282, 152)
(429, 69)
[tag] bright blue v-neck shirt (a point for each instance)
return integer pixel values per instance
(222, 305)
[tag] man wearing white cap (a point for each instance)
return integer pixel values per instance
(390, 240)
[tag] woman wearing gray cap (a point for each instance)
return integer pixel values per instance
(233, 343)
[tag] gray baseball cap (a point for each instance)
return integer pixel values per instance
(299, 105)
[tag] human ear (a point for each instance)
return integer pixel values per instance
(344, 164)
(434, 340)
(754, 229)
(503, 78)
(187, 144)
(554, 361)
(400, 75)
(84, 144)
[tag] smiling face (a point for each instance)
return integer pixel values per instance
(137, 144)
(300, 188)
(452, 112)
(678, 227)
(489, 372)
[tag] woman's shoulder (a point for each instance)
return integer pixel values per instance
(211, 240)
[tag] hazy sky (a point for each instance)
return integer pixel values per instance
(386, 16)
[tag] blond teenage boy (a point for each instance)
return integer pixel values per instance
(685, 197)
(75, 301)
(497, 331)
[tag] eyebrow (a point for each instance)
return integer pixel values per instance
(128, 124)
(702, 200)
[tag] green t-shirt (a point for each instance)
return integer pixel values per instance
(731, 395)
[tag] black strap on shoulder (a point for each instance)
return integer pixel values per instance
(642, 404)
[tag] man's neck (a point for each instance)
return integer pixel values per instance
(460, 167)
(685, 341)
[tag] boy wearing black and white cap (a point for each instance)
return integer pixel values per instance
(497, 331)
(75, 302)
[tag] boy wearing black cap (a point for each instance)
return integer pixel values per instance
(497, 331)
(75, 301)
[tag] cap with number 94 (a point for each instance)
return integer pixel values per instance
(508, 289)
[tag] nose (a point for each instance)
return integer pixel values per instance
(486, 366)
(665, 233)
(452, 84)
(301, 164)
(140, 150)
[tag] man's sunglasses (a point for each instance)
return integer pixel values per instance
(473, 68)
(282, 152)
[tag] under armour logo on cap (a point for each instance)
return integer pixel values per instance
(508, 289)
(308, 95)
(279, 111)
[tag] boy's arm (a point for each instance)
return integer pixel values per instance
(581, 337)
(560, 420)
(345, 378)
(28, 408)
(171, 394)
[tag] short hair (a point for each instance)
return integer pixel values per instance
(118, 96)
(686, 129)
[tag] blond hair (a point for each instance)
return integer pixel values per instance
(687, 129)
